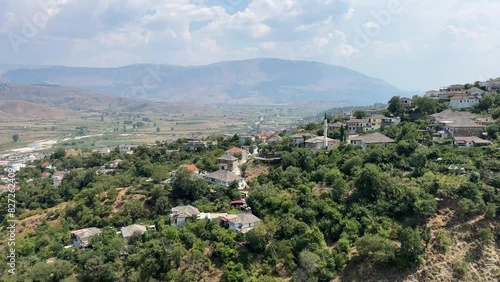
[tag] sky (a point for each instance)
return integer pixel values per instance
(412, 44)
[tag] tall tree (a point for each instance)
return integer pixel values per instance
(395, 106)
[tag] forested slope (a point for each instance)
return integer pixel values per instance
(390, 213)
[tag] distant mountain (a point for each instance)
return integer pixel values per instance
(247, 81)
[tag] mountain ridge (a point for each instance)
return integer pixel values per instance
(261, 80)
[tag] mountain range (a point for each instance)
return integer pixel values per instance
(254, 81)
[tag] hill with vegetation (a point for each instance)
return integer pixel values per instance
(257, 81)
(395, 212)
(80, 100)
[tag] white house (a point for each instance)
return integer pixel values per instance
(225, 178)
(242, 223)
(318, 143)
(81, 237)
(462, 102)
(179, 215)
(299, 138)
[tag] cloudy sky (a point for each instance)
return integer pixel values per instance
(413, 44)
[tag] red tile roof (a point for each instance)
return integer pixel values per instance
(235, 150)
(191, 167)
(45, 164)
(46, 174)
(238, 202)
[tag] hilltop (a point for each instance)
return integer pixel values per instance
(249, 81)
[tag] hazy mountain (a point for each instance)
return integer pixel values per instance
(250, 81)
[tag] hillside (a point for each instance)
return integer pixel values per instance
(80, 99)
(14, 110)
(247, 81)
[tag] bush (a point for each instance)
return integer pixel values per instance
(442, 241)
(376, 247)
(461, 268)
(486, 236)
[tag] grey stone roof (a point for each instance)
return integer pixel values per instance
(245, 218)
(373, 138)
(449, 115)
(320, 140)
(475, 89)
(275, 138)
(186, 211)
(227, 157)
(224, 176)
(363, 120)
(128, 231)
(87, 232)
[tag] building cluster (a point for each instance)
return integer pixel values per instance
(373, 121)
(82, 238)
(461, 97)
(241, 223)
(463, 127)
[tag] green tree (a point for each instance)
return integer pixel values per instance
(15, 137)
(234, 273)
(307, 268)
(59, 154)
(395, 106)
(495, 113)
(359, 114)
(188, 187)
(376, 247)
(426, 105)
(411, 247)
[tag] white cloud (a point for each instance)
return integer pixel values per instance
(118, 32)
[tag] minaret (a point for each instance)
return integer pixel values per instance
(325, 133)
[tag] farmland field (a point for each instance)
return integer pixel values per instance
(103, 129)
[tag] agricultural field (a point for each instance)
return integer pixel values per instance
(103, 129)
